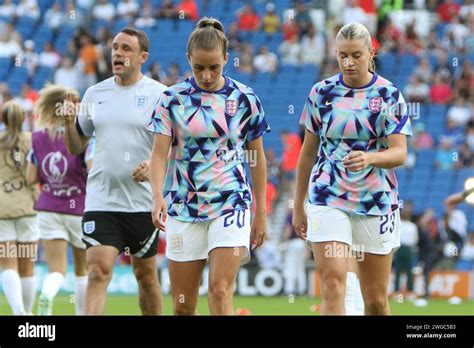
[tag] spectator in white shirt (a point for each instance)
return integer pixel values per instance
(28, 8)
(127, 9)
(467, 9)
(147, 21)
(8, 9)
(354, 13)
(457, 32)
(455, 220)
(9, 48)
(29, 58)
(265, 61)
(416, 91)
(459, 112)
(54, 17)
(67, 75)
(49, 57)
(104, 11)
(404, 257)
(313, 47)
(290, 51)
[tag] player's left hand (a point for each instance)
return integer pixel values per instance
(357, 160)
(141, 172)
(258, 231)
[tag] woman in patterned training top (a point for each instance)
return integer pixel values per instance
(358, 120)
(212, 123)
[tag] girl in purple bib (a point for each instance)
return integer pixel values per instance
(61, 202)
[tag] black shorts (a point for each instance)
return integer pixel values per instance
(132, 232)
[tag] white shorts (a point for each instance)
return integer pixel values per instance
(61, 226)
(191, 241)
(23, 229)
(372, 234)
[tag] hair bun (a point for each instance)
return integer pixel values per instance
(207, 22)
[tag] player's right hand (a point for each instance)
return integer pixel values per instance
(70, 107)
(159, 213)
(300, 222)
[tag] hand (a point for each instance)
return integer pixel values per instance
(141, 172)
(159, 212)
(357, 160)
(258, 231)
(69, 109)
(300, 222)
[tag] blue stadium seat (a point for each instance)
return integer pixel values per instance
(25, 26)
(465, 173)
(388, 64)
(44, 5)
(167, 25)
(437, 111)
(5, 64)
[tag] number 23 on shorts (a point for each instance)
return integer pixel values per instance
(387, 223)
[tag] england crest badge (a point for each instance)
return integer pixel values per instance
(375, 104)
(140, 101)
(89, 227)
(231, 107)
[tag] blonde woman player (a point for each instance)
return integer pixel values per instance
(208, 121)
(18, 232)
(61, 202)
(358, 122)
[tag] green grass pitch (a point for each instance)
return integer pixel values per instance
(128, 305)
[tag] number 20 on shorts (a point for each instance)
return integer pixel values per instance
(237, 216)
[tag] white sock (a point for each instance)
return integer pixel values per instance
(358, 300)
(81, 285)
(11, 285)
(349, 299)
(28, 289)
(51, 284)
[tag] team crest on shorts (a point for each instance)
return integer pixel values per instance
(140, 100)
(89, 227)
(375, 104)
(231, 107)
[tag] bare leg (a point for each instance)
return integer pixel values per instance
(149, 290)
(185, 278)
(223, 267)
(332, 268)
(374, 273)
(100, 261)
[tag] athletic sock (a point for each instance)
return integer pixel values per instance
(359, 306)
(11, 285)
(80, 293)
(51, 284)
(349, 299)
(28, 289)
